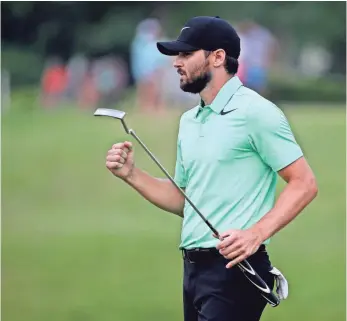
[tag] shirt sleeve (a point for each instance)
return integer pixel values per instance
(180, 174)
(271, 136)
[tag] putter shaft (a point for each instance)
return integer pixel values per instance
(132, 133)
(244, 266)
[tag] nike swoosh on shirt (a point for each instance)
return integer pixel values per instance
(226, 112)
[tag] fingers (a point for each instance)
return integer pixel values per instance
(121, 149)
(118, 154)
(222, 237)
(236, 261)
(118, 146)
(227, 233)
(128, 145)
(238, 245)
(125, 145)
(234, 248)
(231, 248)
(116, 158)
(113, 165)
(227, 241)
(218, 237)
(230, 255)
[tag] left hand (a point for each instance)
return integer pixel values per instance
(238, 245)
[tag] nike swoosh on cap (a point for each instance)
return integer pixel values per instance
(184, 28)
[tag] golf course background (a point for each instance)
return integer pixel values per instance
(80, 245)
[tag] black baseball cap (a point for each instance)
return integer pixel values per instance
(208, 33)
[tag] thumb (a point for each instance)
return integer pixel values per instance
(226, 234)
(129, 145)
(220, 237)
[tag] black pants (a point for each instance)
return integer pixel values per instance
(211, 292)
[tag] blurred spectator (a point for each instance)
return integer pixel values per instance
(77, 68)
(54, 83)
(111, 78)
(258, 47)
(88, 95)
(83, 82)
(147, 65)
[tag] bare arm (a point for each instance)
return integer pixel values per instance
(274, 141)
(160, 192)
(298, 193)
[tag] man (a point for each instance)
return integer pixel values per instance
(230, 149)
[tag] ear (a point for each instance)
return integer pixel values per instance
(219, 58)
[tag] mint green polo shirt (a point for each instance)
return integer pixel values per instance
(228, 156)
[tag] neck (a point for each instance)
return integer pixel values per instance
(213, 87)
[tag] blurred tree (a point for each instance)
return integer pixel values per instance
(321, 22)
(97, 28)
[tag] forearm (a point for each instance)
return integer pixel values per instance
(293, 199)
(160, 192)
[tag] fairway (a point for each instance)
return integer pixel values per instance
(80, 245)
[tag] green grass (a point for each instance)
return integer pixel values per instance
(79, 245)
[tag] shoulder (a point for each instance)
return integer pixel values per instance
(246, 99)
(262, 112)
(253, 105)
(254, 101)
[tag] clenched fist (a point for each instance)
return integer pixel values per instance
(120, 161)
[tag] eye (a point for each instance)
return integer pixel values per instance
(186, 54)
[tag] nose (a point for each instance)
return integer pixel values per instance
(177, 63)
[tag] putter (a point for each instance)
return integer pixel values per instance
(244, 266)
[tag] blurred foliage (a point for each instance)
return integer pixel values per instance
(32, 31)
(25, 65)
(66, 27)
(284, 88)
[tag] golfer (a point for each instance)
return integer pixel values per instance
(230, 150)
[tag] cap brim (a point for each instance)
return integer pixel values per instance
(173, 48)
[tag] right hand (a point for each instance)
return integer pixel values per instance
(120, 160)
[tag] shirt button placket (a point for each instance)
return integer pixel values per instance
(201, 125)
(204, 116)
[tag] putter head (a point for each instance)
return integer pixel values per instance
(110, 113)
(114, 113)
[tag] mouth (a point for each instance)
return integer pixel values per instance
(181, 72)
(182, 79)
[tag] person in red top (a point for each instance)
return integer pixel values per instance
(54, 82)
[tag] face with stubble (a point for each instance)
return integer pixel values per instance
(194, 70)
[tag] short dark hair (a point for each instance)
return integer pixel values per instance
(231, 64)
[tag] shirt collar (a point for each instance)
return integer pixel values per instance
(224, 94)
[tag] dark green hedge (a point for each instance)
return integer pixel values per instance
(305, 90)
